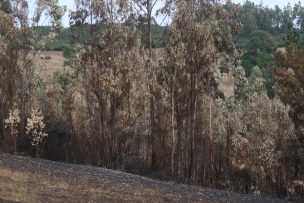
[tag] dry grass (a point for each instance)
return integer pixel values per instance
(227, 85)
(281, 49)
(47, 67)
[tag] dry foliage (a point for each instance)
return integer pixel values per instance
(119, 104)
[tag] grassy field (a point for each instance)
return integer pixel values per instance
(48, 63)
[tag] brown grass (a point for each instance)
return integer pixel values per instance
(47, 67)
(227, 85)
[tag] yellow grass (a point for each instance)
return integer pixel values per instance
(282, 49)
(227, 85)
(47, 67)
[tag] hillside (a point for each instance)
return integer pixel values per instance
(48, 63)
(65, 38)
(24, 179)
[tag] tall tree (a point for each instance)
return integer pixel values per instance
(277, 17)
(289, 77)
(265, 18)
(108, 61)
(18, 42)
(196, 40)
(299, 15)
(145, 10)
(287, 16)
(16, 64)
(248, 17)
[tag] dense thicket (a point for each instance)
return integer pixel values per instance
(122, 104)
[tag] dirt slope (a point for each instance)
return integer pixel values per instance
(24, 179)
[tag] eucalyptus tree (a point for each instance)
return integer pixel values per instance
(109, 67)
(289, 84)
(16, 64)
(18, 44)
(257, 133)
(199, 41)
(144, 10)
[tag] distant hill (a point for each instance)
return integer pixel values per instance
(65, 39)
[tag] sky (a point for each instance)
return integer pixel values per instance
(270, 3)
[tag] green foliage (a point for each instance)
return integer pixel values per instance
(65, 39)
(300, 21)
(294, 38)
(259, 51)
(265, 18)
(60, 80)
(253, 17)
(258, 17)
(158, 33)
(62, 41)
(265, 29)
(241, 41)
(40, 87)
(260, 40)
(247, 15)
(279, 39)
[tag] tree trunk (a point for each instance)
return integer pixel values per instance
(173, 120)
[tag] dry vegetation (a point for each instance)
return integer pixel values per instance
(49, 62)
(55, 61)
(186, 112)
(47, 67)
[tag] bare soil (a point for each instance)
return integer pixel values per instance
(25, 179)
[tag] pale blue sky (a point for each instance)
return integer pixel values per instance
(270, 3)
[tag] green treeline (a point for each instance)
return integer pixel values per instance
(65, 38)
